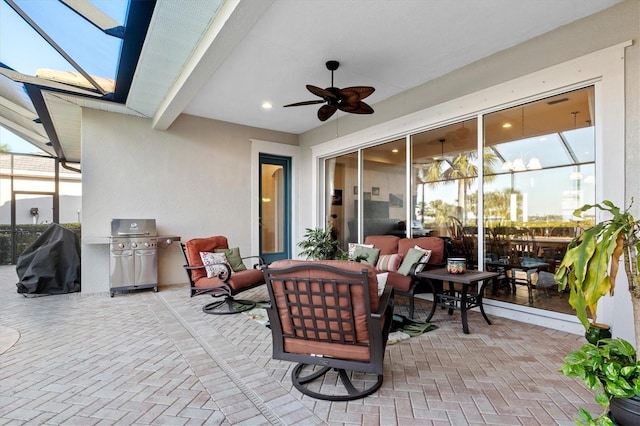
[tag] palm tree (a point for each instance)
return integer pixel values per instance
(463, 170)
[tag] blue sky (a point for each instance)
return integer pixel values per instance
(22, 48)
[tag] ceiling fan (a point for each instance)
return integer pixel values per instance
(348, 99)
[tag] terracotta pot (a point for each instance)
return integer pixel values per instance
(625, 411)
(596, 332)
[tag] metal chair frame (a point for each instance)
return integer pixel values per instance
(321, 310)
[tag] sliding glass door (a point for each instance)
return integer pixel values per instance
(505, 206)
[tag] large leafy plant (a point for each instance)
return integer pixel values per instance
(591, 263)
(611, 366)
(319, 244)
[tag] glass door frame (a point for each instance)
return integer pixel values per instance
(285, 163)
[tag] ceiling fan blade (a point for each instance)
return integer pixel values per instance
(326, 111)
(361, 91)
(323, 93)
(318, 101)
(357, 108)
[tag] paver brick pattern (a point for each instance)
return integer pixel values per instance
(145, 358)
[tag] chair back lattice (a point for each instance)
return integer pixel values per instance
(320, 309)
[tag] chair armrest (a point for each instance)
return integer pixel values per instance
(386, 298)
(427, 267)
(222, 276)
(258, 265)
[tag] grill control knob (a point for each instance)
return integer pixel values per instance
(120, 245)
(134, 245)
(146, 244)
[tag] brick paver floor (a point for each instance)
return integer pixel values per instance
(155, 358)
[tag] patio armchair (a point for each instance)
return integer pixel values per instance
(329, 318)
(222, 279)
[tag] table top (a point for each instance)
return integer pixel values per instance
(468, 277)
(524, 265)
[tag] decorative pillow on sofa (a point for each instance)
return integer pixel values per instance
(425, 257)
(233, 258)
(211, 263)
(389, 262)
(366, 254)
(382, 281)
(352, 248)
(413, 256)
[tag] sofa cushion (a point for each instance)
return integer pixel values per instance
(213, 263)
(412, 256)
(399, 282)
(426, 255)
(389, 262)
(239, 280)
(435, 244)
(352, 249)
(233, 258)
(388, 244)
(366, 255)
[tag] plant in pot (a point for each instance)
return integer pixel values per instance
(589, 269)
(319, 244)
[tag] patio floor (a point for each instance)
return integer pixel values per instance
(156, 358)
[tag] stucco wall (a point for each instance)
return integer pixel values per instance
(194, 179)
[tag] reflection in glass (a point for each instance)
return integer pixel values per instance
(547, 170)
(384, 203)
(444, 185)
(341, 178)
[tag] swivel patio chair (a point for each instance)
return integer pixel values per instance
(328, 317)
(228, 278)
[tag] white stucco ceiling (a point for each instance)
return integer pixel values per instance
(250, 52)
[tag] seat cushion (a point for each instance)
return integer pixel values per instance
(388, 244)
(399, 282)
(195, 246)
(239, 281)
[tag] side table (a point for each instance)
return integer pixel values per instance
(454, 299)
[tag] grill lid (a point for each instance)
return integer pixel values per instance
(133, 228)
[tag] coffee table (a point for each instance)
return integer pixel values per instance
(457, 299)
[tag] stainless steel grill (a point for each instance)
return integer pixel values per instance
(134, 255)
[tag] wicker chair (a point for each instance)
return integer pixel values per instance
(227, 283)
(328, 317)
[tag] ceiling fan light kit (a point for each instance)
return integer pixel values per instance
(348, 99)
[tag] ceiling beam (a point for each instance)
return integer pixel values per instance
(232, 23)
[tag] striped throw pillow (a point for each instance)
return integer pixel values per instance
(389, 262)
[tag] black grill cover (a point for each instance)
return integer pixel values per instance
(51, 264)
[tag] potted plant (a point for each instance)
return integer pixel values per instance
(319, 244)
(589, 268)
(611, 364)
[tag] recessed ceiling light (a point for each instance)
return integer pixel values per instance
(506, 125)
(267, 105)
(395, 150)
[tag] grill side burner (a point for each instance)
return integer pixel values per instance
(134, 255)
